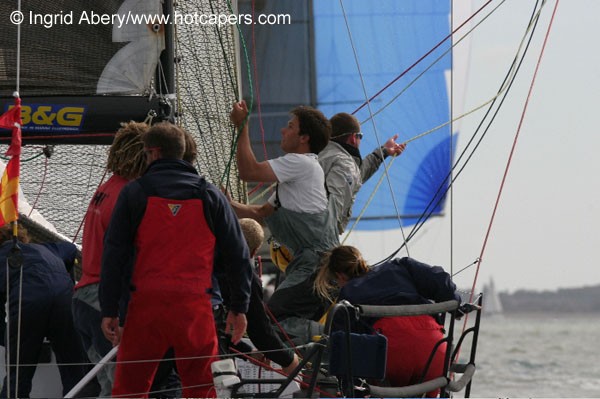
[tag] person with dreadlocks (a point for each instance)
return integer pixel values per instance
(126, 161)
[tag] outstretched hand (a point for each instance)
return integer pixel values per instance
(238, 113)
(392, 148)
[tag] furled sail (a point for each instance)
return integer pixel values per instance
(67, 124)
(131, 69)
(62, 61)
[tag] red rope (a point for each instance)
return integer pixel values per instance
(487, 235)
(419, 60)
(285, 334)
(259, 185)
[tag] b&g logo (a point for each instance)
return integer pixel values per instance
(52, 117)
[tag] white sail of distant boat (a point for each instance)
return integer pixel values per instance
(492, 305)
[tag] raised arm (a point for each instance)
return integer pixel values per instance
(249, 168)
(256, 212)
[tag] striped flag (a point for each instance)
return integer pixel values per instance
(9, 188)
(9, 192)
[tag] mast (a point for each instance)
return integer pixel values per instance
(312, 74)
(165, 74)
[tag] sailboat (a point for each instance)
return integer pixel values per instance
(401, 67)
(492, 305)
(77, 98)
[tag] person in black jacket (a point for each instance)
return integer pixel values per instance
(402, 281)
(44, 304)
(260, 328)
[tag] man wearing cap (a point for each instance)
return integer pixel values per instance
(345, 170)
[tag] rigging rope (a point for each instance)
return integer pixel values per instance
(368, 102)
(257, 86)
(41, 187)
(504, 88)
(250, 106)
(19, 325)
(404, 89)
(8, 324)
(517, 134)
(421, 135)
(372, 115)
(420, 59)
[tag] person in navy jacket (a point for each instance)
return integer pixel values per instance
(403, 281)
(45, 303)
(171, 221)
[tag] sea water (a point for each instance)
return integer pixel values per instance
(518, 356)
(538, 355)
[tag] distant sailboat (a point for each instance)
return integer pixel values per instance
(492, 305)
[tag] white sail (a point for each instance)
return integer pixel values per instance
(131, 69)
(491, 300)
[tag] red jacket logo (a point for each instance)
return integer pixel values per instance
(174, 208)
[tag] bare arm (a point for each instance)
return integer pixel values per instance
(256, 212)
(372, 161)
(249, 168)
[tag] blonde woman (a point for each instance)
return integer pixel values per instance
(345, 275)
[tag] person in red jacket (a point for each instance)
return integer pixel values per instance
(170, 221)
(126, 161)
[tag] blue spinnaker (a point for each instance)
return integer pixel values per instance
(388, 37)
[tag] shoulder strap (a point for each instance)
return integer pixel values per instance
(277, 202)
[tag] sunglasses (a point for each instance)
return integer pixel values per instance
(358, 135)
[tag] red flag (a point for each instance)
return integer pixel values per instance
(9, 192)
(11, 119)
(9, 187)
